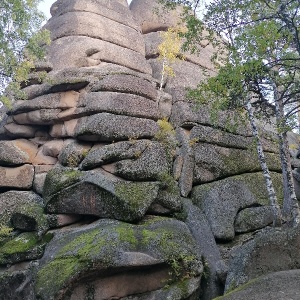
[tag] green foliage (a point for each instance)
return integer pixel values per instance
(166, 136)
(20, 44)
(262, 43)
(169, 52)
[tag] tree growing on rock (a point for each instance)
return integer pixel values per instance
(169, 52)
(262, 39)
(20, 43)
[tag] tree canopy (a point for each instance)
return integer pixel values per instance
(20, 41)
(261, 68)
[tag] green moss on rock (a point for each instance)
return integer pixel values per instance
(136, 193)
(62, 269)
(59, 178)
(26, 246)
(103, 246)
(30, 217)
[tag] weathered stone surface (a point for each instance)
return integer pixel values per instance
(169, 199)
(109, 127)
(73, 153)
(114, 10)
(146, 249)
(208, 134)
(253, 218)
(3, 111)
(12, 200)
(40, 172)
(222, 138)
(30, 217)
(38, 182)
(17, 152)
(296, 180)
(52, 148)
(185, 114)
(135, 160)
(26, 246)
(165, 104)
(17, 285)
(220, 201)
(228, 248)
(104, 154)
(270, 251)
(187, 289)
(97, 193)
(208, 249)
(13, 130)
(118, 103)
(91, 75)
(185, 162)
(187, 75)
(81, 51)
(151, 164)
(41, 159)
(275, 286)
(202, 58)
(144, 13)
(37, 117)
(62, 220)
(59, 83)
(76, 78)
(81, 23)
(62, 100)
(294, 142)
(214, 162)
(127, 84)
(17, 177)
(64, 130)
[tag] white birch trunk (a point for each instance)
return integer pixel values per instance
(162, 75)
(262, 160)
(291, 213)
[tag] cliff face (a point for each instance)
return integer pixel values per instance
(115, 189)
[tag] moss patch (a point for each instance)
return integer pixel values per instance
(254, 181)
(32, 213)
(127, 235)
(60, 178)
(102, 247)
(136, 197)
(25, 246)
(166, 136)
(63, 270)
(84, 245)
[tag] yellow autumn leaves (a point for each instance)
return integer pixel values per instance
(169, 51)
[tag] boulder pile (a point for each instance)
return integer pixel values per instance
(111, 188)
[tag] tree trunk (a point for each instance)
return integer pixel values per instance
(262, 160)
(162, 75)
(291, 213)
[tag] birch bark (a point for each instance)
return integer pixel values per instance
(291, 213)
(262, 160)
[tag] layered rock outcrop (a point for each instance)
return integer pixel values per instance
(115, 189)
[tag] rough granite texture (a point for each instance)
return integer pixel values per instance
(113, 188)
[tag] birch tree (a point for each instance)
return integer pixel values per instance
(261, 38)
(169, 52)
(20, 43)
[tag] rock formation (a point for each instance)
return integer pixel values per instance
(117, 190)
